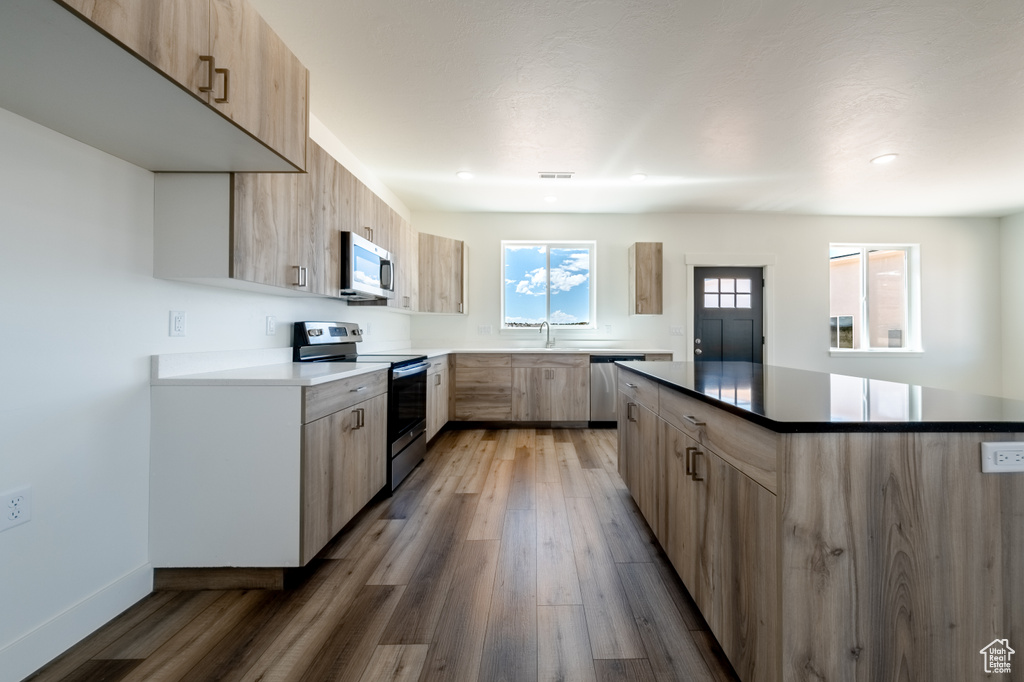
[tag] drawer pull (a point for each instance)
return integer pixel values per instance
(631, 385)
(360, 417)
(694, 420)
(227, 76)
(356, 390)
(437, 379)
(300, 276)
(694, 475)
(629, 412)
(689, 465)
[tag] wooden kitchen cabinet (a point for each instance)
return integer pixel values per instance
(717, 525)
(438, 395)
(441, 274)
(222, 52)
(344, 464)
(483, 386)
(645, 278)
(550, 387)
(405, 250)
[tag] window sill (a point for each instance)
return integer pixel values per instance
(880, 353)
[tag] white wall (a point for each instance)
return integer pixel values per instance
(960, 280)
(1012, 270)
(80, 315)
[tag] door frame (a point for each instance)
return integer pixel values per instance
(766, 261)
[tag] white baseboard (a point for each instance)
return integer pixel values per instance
(25, 655)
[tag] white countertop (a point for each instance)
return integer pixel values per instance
(283, 374)
(435, 352)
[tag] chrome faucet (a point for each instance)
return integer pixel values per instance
(549, 343)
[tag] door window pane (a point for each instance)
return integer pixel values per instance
(728, 300)
(710, 286)
(743, 286)
(742, 300)
(710, 300)
(728, 285)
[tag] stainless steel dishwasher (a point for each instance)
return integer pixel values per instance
(602, 386)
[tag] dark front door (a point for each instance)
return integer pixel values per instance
(728, 319)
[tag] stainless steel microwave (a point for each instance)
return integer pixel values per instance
(367, 270)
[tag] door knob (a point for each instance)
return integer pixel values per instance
(698, 352)
(697, 341)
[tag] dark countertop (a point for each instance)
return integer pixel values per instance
(795, 400)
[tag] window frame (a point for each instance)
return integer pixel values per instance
(862, 332)
(589, 244)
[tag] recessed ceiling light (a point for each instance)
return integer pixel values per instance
(551, 199)
(884, 158)
(638, 177)
(464, 175)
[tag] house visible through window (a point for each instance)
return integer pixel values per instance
(870, 296)
(548, 282)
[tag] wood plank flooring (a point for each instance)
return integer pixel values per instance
(507, 555)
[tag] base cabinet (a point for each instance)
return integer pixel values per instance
(717, 526)
(438, 395)
(550, 387)
(343, 466)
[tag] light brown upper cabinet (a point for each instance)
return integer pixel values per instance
(442, 268)
(222, 52)
(404, 249)
(645, 278)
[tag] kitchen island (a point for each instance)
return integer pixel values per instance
(830, 527)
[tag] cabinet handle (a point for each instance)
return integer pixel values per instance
(629, 412)
(227, 75)
(639, 307)
(689, 465)
(360, 416)
(630, 385)
(209, 73)
(460, 308)
(405, 302)
(694, 420)
(694, 475)
(369, 233)
(300, 276)
(437, 379)
(356, 390)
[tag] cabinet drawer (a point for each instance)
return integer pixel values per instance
(747, 446)
(482, 360)
(437, 364)
(658, 357)
(324, 399)
(550, 360)
(639, 389)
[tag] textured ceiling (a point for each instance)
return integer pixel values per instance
(734, 105)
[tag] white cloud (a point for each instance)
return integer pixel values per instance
(534, 283)
(579, 260)
(558, 317)
(563, 280)
(529, 247)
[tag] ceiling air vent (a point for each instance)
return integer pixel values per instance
(556, 175)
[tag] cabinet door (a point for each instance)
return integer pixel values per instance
(437, 402)
(645, 278)
(682, 512)
(404, 249)
(267, 229)
(264, 88)
(531, 393)
(739, 562)
(169, 34)
(570, 394)
(440, 274)
(343, 466)
(319, 240)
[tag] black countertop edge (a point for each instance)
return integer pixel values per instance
(836, 427)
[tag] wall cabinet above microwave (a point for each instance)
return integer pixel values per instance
(129, 77)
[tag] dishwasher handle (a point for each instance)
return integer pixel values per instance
(603, 359)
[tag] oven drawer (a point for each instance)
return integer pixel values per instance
(324, 399)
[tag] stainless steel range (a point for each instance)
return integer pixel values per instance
(407, 387)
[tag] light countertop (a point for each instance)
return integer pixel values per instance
(283, 374)
(435, 352)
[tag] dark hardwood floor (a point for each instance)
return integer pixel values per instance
(507, 555)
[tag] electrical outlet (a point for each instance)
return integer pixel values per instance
(271, 325)
(178, 323)
(677, 331)
(997, 458)
(484, 330)
(15, 508)
(608, 329)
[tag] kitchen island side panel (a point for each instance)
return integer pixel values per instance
(900, 559)
(225, 479)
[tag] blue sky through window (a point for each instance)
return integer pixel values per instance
(528, 282)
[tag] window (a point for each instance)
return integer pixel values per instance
(871, 297)
(726, 292)
(548, 281)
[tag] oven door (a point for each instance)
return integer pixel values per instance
(407, 405)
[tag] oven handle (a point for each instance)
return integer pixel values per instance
(411, 369)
